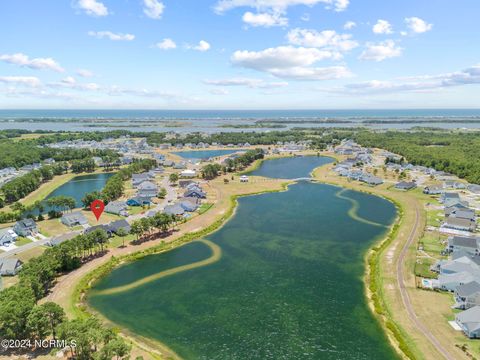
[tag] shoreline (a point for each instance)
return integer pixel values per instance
(372, 256)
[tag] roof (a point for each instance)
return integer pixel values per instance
(116, 206)
(9, 265)
(57, 240)
(468, 289)
(147, 185)
(456, 222)
(76, 216)
(405, 185)
(463, 241)
(175, 209)
(97, 227)
(119, 224)
(470, 318)
(27, 223)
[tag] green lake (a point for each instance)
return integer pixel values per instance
(288, 284)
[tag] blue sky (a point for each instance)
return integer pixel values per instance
(239, 54)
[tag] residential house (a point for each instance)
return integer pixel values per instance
(117, 208)
(185, 183)
(405, 185)
(474, 188)
(469, 322)
(467, 295)
(115, 226)
(25, 227)
(187, 173)
(195, 193)
(460, 211)
(7, 236)
(139, 201)
(470, 245)
(137, 179)
(450, 282)
(371, 180)
(74, 219)
(10, 267)
(459, 224)
(57, 240)
(103, 227)
(175, 209)
(433, 190)
(188, 206)
(147, 188)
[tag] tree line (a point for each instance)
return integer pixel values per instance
(211, 171)
(22, 317)
(452, 152)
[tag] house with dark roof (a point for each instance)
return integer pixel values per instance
(115, 226)
(25, 227)
(10, 267)
(74, 219)
(195, 193)
(137, 179)
(469, 322)
(461, 213)
(57, 240)
(103, 227)
(139, 201)
(405, 185)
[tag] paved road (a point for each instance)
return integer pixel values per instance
(406, 299)
(22, 248)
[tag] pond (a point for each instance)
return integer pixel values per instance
(205, 154)
(290, 167)
(281, 280)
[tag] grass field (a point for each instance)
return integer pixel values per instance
(22, 241)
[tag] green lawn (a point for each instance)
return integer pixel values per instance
(432, 243)
(22, 241)
(422, 268)
(204, 208)
(435, 218)
(117, 241)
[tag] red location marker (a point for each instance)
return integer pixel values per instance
(97, 208)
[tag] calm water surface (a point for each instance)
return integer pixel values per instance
(205, 154)
(287, 286)
(81, 185)
(290, 167)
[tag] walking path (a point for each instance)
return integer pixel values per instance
(406, 299)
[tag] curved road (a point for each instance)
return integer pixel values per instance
(406, 299)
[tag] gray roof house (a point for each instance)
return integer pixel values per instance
(467, 295)
(464, 212)
(25, 227)
(74, 219)
(469, 321)
(57, 240)
(450, 282)
(117, 208)
(175, 209)
(459, 224)
(433, 190)
(405, 185)
(115, 226)
(469, 245)
(10, 267)
(449, 196)
(7, 236)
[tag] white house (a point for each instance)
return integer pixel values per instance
(244, 178)
(187, 173)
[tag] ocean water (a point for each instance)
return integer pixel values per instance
(210, 121)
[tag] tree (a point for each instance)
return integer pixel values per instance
(89, 198)
(137, 229)
(16, 302)
(173, 178)
(211, 171)
(162, 193)
(44, 319)
(122, 233)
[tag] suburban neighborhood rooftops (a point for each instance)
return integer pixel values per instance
(463, 241)
(470, 318)
(468, 289)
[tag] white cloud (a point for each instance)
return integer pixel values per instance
(202, 46)
(84, 73)
(382, 27)
(36, 63)
(328, 39)
(71, 83)
(166, 44)
(381, 51)
(248, 82)
(112, 36)
(418, 25)
(153, 8)
(92, 7)
(30, 81)
(349, 25)
(264, 19)
(290, 62)
(219, 92)
(469, 76)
